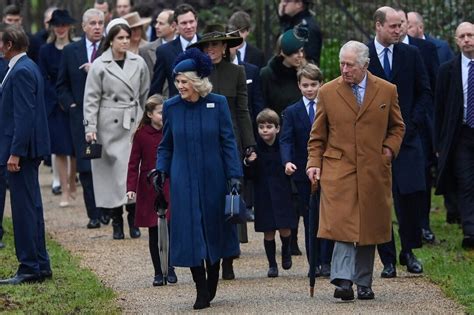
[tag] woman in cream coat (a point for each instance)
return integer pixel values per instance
(116, 89)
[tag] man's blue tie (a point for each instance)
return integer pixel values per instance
(355, 90)
(386, 63)
(311, 112)
(470, 96)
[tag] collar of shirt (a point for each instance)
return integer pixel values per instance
(185, 43)
(306, 103)
(14, 60)
(465, 61)
(362, 85)
(379, 48)
(235, 61)
(242, 51)
(406, 40)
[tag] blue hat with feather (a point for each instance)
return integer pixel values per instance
(193, 59)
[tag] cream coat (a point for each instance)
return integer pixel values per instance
(113, 105)
(346, 142)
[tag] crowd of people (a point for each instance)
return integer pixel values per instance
(207, 115)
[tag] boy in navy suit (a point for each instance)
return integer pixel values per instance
(297, 121)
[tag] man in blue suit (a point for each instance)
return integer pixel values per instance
(75, 63)
(24, 141)
(402, 65)
(3, 180)
(416, 29)
(186, 20)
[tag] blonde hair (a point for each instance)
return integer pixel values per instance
(201, 85)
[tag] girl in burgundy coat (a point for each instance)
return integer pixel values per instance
(142, 160)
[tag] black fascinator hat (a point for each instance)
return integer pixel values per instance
(193, 59)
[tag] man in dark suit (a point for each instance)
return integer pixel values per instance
(402, 65)
(454, 129)
(3, 177)
(240, 21)
(75, 63)
(430, 60)
(186, 22)
(416, 29)
(294, 12)
(24, 141)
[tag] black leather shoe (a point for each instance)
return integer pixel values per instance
(172, 278)
(344, 291)
(46, 274)
(453, 218)
(389, 271)
(105, 219)
(23, 278)
(365, 293)
(158, 281)
(295, 250)
(468, 242)
(117, 231)
(413, 264)
(325, 270)
(428, 236)
(93, 224)
(272, 272)
(135, 232)
(2, 245)
(56, 190)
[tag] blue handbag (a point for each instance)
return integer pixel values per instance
(235, 209)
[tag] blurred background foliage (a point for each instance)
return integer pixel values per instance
(340, 20)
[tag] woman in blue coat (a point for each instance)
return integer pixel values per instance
(199, 154)
(58, 120)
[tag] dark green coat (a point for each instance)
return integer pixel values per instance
(279, 85)
(229, 80)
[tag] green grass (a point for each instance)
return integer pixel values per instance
(446, 263)
(72, 290)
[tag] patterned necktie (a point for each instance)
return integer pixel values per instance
(355, 90)
(311, 112)
(94, 52)
(386, 63)
(470, 96)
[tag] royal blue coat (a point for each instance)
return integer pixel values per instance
(199, 152)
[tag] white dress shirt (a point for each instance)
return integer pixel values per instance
(362, 86)
(185, 43)
(90, 48)
(380, 53)
(242, 51)
(12, 63)
(464, 76)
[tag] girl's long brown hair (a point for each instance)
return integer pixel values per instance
(150, 105)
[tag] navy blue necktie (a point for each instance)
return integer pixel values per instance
(386, 63)
(470, 96)
(311, 112)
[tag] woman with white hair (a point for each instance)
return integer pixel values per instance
(116, 89)
(199, 154)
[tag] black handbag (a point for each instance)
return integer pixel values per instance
(92, 150)
(235, 209)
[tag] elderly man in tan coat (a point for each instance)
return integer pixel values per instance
(357, 132)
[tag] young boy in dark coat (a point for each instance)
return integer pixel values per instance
(297, 121)
(272, 191)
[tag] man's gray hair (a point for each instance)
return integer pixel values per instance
(360, 49)
(90, 13)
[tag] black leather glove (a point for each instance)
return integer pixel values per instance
(235, 185)
(157, 179)
(248, 151)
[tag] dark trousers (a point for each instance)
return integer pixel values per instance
(88, 192)
(3, 192)
(407, 209)
(28, 221)
(464, 173)
(451, 205)
(426, 208)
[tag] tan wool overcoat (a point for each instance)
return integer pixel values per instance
(113, 105)
(347, 142)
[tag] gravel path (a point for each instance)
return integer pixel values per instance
(125, 266)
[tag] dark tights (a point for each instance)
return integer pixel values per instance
(153, 246)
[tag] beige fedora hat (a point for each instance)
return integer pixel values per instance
(134, 19)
